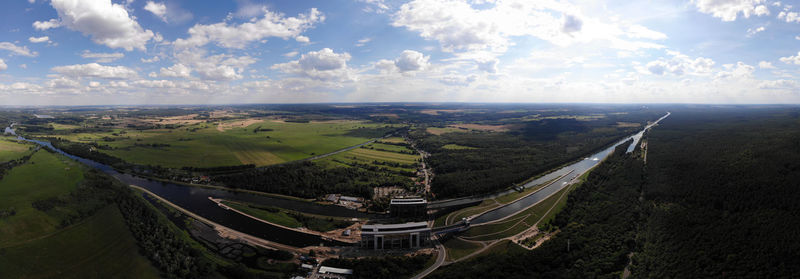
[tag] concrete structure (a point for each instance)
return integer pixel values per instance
(408, 208)
(395, 236)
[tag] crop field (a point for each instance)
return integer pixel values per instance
(232, 142)
(99, 247)
(44, 175)
(390, 156)
(11, 149)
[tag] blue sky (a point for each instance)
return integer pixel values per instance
(88, 52)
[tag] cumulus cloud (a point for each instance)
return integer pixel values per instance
(17, 50)
(457, 26)
(95, 70)
(177, 70)
(738, 71)
(105, 22)
(791, 59)
(37, 40)
(789, 16)
(363, 42)
(239, 36)
(62, 82)
(158, 9)
(680, 64)
(3, 65)
(410, 60)
(753, 31)
(102, 57)
(44, 25)
(302, 39)
(765, 65)
(729, 10)
(215, 67)
(488, 65)
(325, 65)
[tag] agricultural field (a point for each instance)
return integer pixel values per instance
(11, 149)
(99, 247)
(390, 155)
(256, 141)
(45, 175)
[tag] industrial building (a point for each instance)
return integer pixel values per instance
(395, 236)
(408, 208)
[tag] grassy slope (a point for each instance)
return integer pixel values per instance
(280, 217)
(45, 175)
(457, 248)
(10, 150)
(99, 247)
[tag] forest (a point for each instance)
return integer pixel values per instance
(722, 192)
(597, 231)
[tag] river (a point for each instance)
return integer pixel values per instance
(195, 199)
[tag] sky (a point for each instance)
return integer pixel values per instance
(128, 52)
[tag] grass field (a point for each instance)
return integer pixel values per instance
(207, 145)
(392, 157)
(11, 149)
(277, 217)
(44, 175)
(99, 247)
(457, 248)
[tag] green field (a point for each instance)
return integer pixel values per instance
(396, 158)
(211, 145)
(457, 248)
(289, 218)
(44, 175)
(99, 247)
(10, 149)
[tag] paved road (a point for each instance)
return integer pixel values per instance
(437, 264)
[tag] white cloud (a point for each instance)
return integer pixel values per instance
(376, 6)
(488, 65)
(791, 59)
(215, 67)
(96, 71)
(36, 40)
(62, 82)
(363, 42)
(177, 70)
(302, 39)
(158, 9)
(324, 65)
(291, 54)
(680, 64)
(410, 60)
(238, 36)
(789, 16)
(105, 22)
(751, 31)
(3, 65)
(738, 71)
(765, 65)
(457, 26)
(151, 60)
(729, 10)
(102, 57)
(44, 25)
(18, 50)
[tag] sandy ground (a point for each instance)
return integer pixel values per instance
(222, 126)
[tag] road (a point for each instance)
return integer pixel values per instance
(439, 261)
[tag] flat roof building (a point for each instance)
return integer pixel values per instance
(408, 208)
(395, 236)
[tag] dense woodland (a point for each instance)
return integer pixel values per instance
(499, 160)
(722, 191)
(598, 224)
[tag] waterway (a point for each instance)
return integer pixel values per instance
(195, 199)
(577, 169)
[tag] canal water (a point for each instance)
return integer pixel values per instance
(574, 171)
(195, 199)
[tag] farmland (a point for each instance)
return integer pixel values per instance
(11, 149)
(226, 143)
